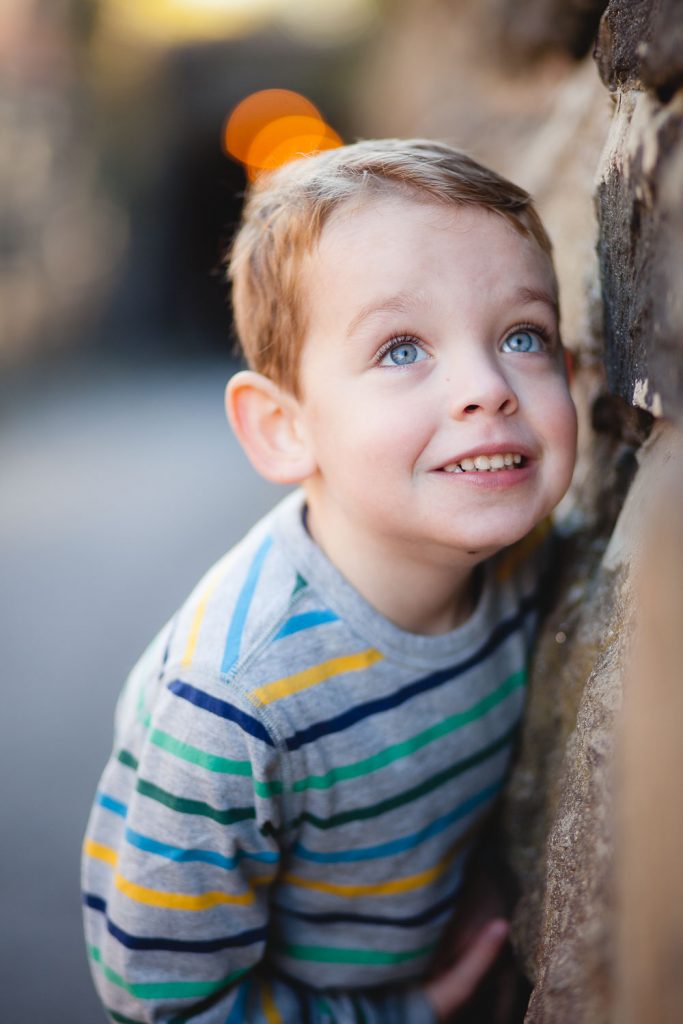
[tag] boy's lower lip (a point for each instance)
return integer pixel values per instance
(501, 478)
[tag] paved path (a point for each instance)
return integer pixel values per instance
(118, 488)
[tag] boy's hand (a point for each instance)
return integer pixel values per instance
(453, 986)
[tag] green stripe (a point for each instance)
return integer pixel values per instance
(334, 955)
(178, 803)
(164, 989)
(125, 757)
(299, 585)
(194, 755)
(362, 813)
(212, 762)
(408, 747)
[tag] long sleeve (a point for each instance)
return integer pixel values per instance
(185, 840)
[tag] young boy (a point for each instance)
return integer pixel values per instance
(306, 753)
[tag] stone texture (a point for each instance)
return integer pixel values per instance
(662, 54)
(560, 808)
(640, 46)
(640, 217)
(625, 28)
(559, 832)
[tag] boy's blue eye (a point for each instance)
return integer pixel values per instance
(523, 341)
(403, 353)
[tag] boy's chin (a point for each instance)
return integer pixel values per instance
(484, 544)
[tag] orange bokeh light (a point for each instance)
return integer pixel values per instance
(272, 127)
(280, 132)
(256, 111)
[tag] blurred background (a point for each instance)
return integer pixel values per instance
(119, 480)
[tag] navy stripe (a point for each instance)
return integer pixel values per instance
(247, 938)
(412, 921)
(221, 708)
(423, 685)
(94, 902)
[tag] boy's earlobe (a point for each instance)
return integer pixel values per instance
(264, 418)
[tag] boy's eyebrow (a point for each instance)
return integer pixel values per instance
(526, 296)
(400, 303)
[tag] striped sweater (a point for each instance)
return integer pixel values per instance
(296, 784)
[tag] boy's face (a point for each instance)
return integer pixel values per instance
(432, 339)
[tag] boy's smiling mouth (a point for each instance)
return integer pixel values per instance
(486, 463)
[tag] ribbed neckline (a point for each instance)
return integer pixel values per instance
(337, 593)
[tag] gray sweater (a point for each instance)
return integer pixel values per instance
(295, 789)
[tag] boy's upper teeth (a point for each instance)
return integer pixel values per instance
(484, 463)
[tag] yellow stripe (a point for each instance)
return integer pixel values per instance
(169, 900)
(397, 886)
(378, 889)
(270, 1010)
(317, 674)
(179, 900)
(100, 852)
(197, 620)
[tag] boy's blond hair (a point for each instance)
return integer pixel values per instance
(286, 210)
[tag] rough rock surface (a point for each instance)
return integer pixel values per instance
(662, 55)
(624, 28)
(584, 925)
(640, 216)
(640, 45)
(561, 805)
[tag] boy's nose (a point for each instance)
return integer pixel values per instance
(487, 392)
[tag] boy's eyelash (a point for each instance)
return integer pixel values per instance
(543, 332)
(396, 339)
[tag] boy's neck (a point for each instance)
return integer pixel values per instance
(418, 594)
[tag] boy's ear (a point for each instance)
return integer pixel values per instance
(265, 420)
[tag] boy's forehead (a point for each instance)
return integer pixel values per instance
(372, 239)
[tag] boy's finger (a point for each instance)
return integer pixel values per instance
(451, 989)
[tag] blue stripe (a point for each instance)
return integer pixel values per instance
(305, 621)
(221, 708)
(444, 906)
(419, 686)
(405, 842)
(238, 1012)
(239, 617)
(180, 855)
(104, 800)
(247, 938)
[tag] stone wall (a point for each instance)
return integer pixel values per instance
(594, 822)
(595, 947)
